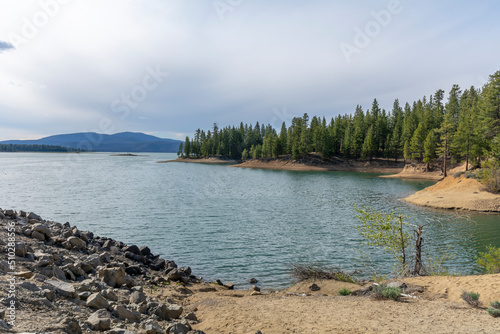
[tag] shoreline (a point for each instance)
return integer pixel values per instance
(457, 193)
(72, 281)
(315, 163)
(215, 161)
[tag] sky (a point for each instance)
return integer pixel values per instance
(169, 67)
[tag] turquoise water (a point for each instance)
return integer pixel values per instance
(229, 223)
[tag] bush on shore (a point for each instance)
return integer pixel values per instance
(302, 272)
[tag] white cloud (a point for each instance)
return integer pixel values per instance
(261, 56)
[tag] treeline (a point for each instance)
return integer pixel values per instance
(36, 148)
(464, 127)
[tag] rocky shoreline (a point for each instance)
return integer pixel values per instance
(58, 279)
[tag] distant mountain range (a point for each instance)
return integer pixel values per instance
(119, 142)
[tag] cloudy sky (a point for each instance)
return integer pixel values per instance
(168, 67)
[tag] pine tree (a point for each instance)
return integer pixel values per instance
(369, 145)
(490, 108)
(283, 140)
(449, 124)
(417, 141)
(406, 151)
(359, 130)
(187, 147)
(180, 152)
(430, 146)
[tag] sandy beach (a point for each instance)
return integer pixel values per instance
(437, 309)
(457, 193)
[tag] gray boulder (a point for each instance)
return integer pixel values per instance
(77, 243)
(100, 320)
(152, 327)
(113, 277)
(96, 300)
(174, 311)
(63, 288)
(124, 313)
(20, 249)
(33, 215)
(137, 297)
(42, 228)
(177, 329)
(38, 235)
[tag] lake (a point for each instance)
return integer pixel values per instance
(230, 223)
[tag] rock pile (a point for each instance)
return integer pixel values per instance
(63, 280)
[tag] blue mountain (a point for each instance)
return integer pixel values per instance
(118, 142)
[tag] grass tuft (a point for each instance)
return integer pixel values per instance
(471, 298)
(385, 292)
(344, 292)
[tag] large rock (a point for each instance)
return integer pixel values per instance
(133, 270)
(105, 257)
(159, 264)
(10, 213)
(38, 235)
(137, 297)
(110, 295)
(159, 310)
(58, 273)
(42, 228)
(152, 327)
(100, 320)
(67, 326)
(63, 288)
(77, 243)
(20, 249)
(96, 300)
(145, 250)
(177, 329)
(132, 249)
(124, 313)
(76, 270)
(113, 277)
(33, 215)
(174, 311)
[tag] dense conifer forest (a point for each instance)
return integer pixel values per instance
(35, 148)
(462, 126)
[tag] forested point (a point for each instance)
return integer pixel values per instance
(464, 128)
(36, 148)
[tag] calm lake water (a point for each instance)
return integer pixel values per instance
(229, 223)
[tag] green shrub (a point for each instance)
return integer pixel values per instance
(494, 312)
(490, 260)
(344, 292)
(472, 298)
(490, 175)
(383, 291)
(495, 304)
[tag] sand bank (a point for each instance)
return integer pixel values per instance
(457, 193)
(203, 161)
(316, 164)
(298, 310)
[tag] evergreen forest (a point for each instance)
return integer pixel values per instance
(461, 126)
